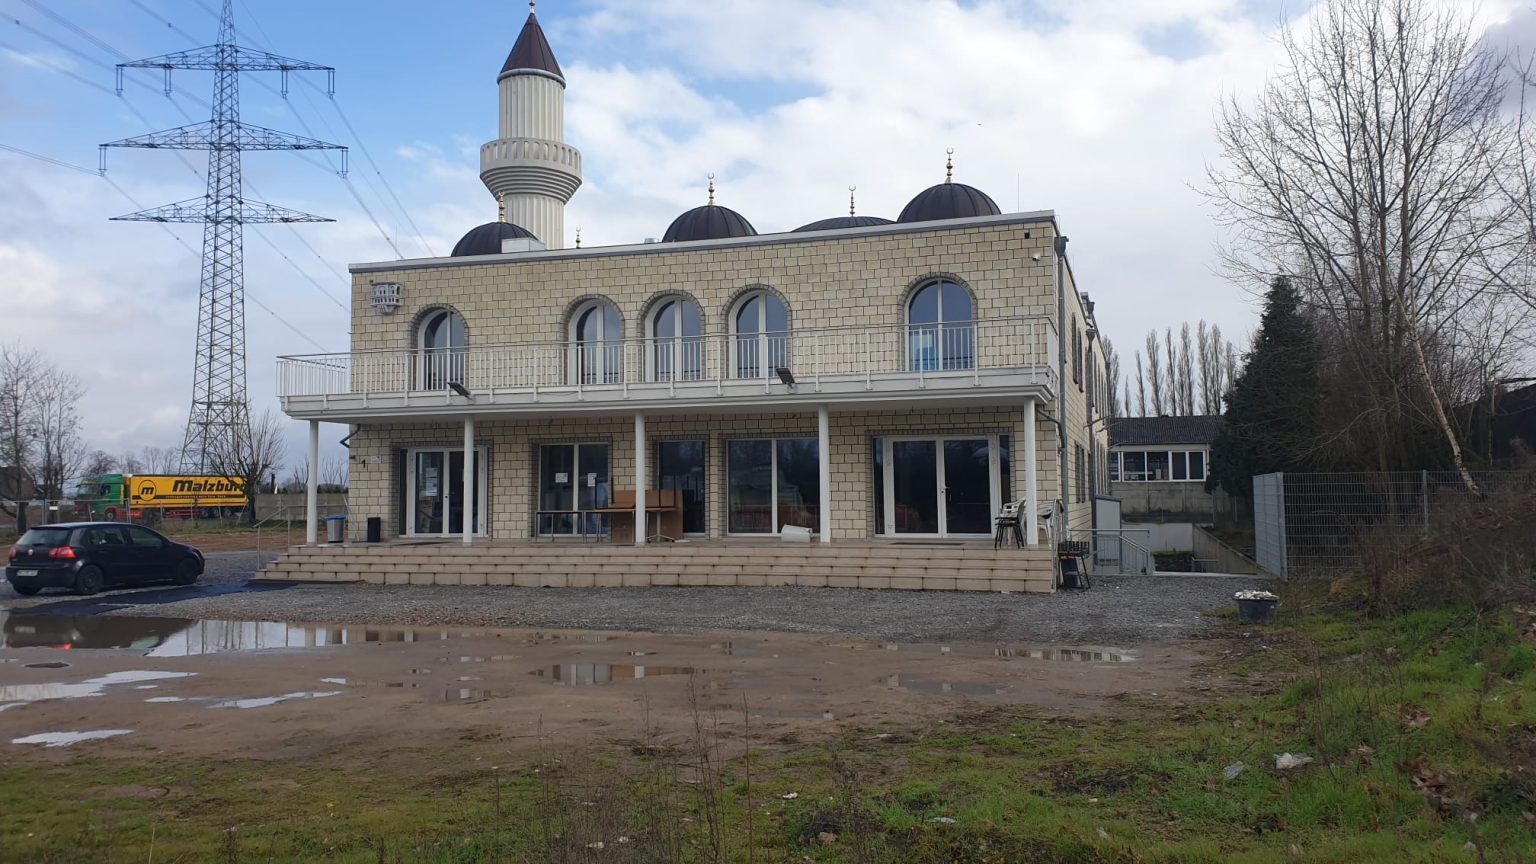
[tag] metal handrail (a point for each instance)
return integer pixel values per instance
(956, 349)
(345, 505)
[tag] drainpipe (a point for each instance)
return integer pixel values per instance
(1061, 397)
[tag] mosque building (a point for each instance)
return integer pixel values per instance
(852, 403)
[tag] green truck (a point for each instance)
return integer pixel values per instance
(134, 497)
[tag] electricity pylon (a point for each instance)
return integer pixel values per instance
(219, 421)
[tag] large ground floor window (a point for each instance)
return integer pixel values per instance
(680, 465)
(949, 486)
(771, 483)
(434, 491)
(573, 478)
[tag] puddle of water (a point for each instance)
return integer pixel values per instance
(464, 695)
(1067, 655)
(185, 637)
(9, 705)
(791, 714)
(64, 739)
(266, 701)
(588, 674)
(936, 687)
(54, 664)
(341, 681)
(89, 687)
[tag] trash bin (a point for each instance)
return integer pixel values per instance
(375, 529)
(335, 529)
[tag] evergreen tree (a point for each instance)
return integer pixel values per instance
(1274, 412)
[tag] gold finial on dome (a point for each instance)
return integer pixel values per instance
(501, 207)
(949, 166)
(851, 190)
(711, 189)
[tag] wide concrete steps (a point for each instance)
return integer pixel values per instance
(916, 568)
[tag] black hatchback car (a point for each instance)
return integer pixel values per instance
(88, 556)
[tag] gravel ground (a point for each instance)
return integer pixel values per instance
(1117, 611)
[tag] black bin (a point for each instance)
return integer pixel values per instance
(375, 529)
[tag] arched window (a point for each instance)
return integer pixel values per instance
(442, 345)
(941, 328)
(760, 327)
(676, 347)
(597, 344)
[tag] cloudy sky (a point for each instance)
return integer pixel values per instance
(1098, 109)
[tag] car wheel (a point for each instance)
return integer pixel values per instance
(88, 581)
(188, 572)
(26, 590)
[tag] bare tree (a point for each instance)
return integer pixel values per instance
(156, 460)
(19, 371)
(1212, 377)
(1141, 389)
(60, 450)
(1155, 375)
(1382, 171)
(1112, 381)
(249, 455)
(100, 462)
(1186, 373)
(334, 473)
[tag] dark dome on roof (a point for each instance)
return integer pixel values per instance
(844, 222)
(710, 222)
(949, 201)
(486, 239)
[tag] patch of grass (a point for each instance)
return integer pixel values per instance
(1414, 723)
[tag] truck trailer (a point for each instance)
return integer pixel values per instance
(133, 497)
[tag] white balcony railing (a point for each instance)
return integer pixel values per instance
(951, 352)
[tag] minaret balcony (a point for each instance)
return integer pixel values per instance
(544, 167)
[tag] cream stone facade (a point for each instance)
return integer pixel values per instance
(862, 380)
(520, 305)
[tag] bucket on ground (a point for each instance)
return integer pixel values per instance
(1256, 607)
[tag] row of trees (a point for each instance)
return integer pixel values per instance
(1179, 377)
(42, 446)
(39, 424)
(1383, 186)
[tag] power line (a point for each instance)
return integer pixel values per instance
(245, 37)
(177, 237)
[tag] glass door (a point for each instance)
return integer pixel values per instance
(435, 491)
(968, 505)
(680, 466)
(572, 478)
(429, 495)
(940, 487)
(914, 484)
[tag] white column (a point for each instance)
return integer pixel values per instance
(1031, 481)
(312, 491)
(640, 525)
(468, 492)
(824, 458)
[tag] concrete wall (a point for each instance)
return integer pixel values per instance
(1165, 502)
(1165, 536)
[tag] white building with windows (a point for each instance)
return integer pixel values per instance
(1157, 468)
(882, 387)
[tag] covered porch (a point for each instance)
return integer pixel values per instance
(937, 468)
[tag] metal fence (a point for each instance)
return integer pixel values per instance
(1122, 552)
(1315, 524)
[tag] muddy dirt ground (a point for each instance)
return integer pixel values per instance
(274, 691)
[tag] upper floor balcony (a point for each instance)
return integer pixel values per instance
(981, 360)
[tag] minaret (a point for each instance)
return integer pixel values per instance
(529, 167)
